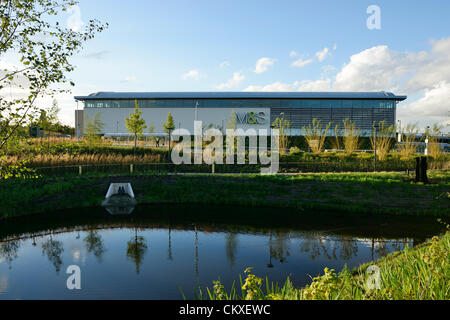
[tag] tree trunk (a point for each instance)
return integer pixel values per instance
(168, 155)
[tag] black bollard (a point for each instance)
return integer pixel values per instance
(417, 169)
(421, 169)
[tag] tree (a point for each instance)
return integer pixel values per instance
(169, 126)
(233, 121)
(43, 46)
(135, 124)
(93, 128)
(48, 118)
(231, 125)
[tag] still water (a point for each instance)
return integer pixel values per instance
(157, 252)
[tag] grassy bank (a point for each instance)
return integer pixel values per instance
(387, 193)
(58, 156)
(421, 273)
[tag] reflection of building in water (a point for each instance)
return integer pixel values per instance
(334, 248)
(380, 246)
(318, 245)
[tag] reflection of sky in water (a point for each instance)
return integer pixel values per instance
(154, 264)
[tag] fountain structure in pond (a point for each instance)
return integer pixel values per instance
(119, 199)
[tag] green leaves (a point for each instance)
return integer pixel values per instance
(135, 124)
(169, 126)
(44, 47)
(18, 170)
(93, 128)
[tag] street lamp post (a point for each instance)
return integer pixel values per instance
(196, 111)
(375, 146)
(427, 135)
(282, 126)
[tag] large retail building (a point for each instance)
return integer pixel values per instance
(255, 110)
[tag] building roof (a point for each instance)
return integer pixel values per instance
(241, 95)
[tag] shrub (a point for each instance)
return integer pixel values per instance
(315, 135)
(383, 140)
(351, 136)
(17, 170)
(409, 146)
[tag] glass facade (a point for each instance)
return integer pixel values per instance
(300, 112)
(235, 103)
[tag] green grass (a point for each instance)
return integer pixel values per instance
(420, 273)
(363, 193)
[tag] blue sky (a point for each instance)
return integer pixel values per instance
(215, 45)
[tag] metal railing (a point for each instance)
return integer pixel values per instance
(363, 165)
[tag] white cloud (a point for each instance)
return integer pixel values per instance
(273, 87)
(315, 85)
(293, 54)
(322, 55)
(374, 69)
(380, 68)
(301, 63)
(74, 21)
(306, 85)
(434, 107)
(424, 74)
(335, 47)
(263, 64)
(100, 55)
(191, 74)
(327, 71)
(129, 79)
(233, 82)
(225, 64)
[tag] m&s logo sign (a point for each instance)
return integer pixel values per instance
(251, 117)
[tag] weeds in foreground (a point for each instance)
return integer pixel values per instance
(421, 273)
(17, 170)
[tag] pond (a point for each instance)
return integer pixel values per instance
(160, 251)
